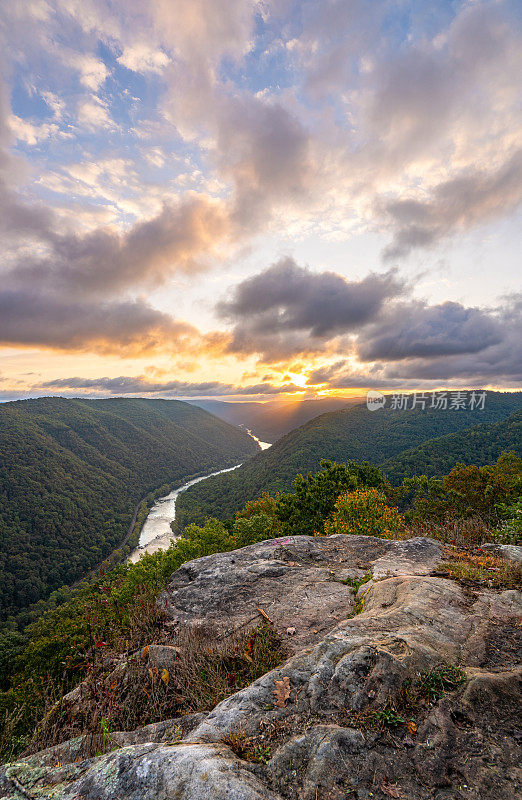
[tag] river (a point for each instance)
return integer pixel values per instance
(156, 533)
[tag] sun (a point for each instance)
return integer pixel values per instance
(299, 380)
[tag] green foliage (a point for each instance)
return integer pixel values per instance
(356, 434)
(364, 511)
(509, 530)
(388, 717)
(256, 528)
(314, 497)
(72, 472)
(430, 687)
(114, 613)
(246, 747)
(356, 583)
(479, 445)
(466, 491)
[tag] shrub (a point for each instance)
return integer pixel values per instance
(461, 531)
(313, 500)
(254, 529)
(364, 511)
(509, 530)
(497, 573)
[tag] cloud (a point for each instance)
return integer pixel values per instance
(143, 385)
(93, 113)
(498, 363)
(288, 309)
(59, 288)
(31, 133)
(438, 345)
(458, 204)
(198, 31)
(142, 57)
(415, 329)
(93, 71)
(29, 318)
(265, 150)
(105, 260)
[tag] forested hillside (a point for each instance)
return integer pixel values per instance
(479, 445)
(72, 471)
(271, 420)
(349, 434)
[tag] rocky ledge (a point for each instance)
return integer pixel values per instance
(407, 686)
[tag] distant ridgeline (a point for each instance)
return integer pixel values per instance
(72, 472)
(404, 443)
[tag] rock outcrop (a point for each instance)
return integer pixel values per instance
(346, 715)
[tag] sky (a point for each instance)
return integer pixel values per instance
(259, 200)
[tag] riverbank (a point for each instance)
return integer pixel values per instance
(156, 532)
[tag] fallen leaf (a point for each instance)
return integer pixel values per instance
(290, 631)
(391, 789)
(248, 657)
(264, 615)
(281, 692)
(165, 676)
(412, 727)
(145, 652)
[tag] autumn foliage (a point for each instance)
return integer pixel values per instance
(364, 511)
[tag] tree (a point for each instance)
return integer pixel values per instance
(365, 512)
(313, 500)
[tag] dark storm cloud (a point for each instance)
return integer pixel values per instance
(434, 344)
(288, 308)
(499, 363)
(414, 329)
(31, 318)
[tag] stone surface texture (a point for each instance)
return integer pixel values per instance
(344, 668)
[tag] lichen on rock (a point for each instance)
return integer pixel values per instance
(416, 696)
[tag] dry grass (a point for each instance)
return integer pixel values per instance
(131, 694)
(247, 747)
(477, 567)
(461, 532)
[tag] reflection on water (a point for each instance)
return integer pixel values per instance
(262, 445)
(156, 533)
(163, 512)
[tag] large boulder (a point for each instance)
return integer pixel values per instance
(341, 718)
(300, 582)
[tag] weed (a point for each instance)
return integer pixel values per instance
(176, 734)
(246, 747)
(497, 573)
(208, 668)
(105, 729)
(429, 687)
(358, 606)
(460, 531)
(388, 718)
(355, 583)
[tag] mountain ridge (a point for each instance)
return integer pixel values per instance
(348, 434)
(72, 472)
